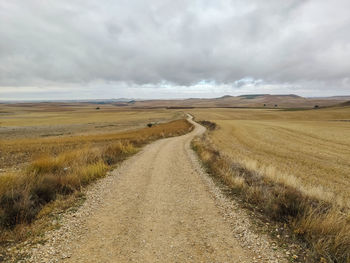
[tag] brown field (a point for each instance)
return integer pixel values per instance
(309, 148)
(37, 170)
(293, 165)
(55, 119)
(29, 130)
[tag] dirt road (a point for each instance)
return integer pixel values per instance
(158, 207)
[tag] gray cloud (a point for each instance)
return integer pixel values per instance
(129, 44)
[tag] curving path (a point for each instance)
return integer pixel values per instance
(156, 208)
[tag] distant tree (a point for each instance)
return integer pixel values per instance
(316, 107)
(149, 125)
(97, 108)
(276, 105)
(264, 105)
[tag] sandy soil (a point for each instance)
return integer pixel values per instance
(158, 206)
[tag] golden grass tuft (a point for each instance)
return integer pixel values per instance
(328, 233)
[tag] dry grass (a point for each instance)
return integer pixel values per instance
(62, 166)
(294, 166)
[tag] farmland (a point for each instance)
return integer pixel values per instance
(310, 147)
(29, 130)
(30, 120)
(36, 170)
(292, 165)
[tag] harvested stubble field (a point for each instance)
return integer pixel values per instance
(29, 130)
(38, 170)
(28, 120)
(294, 165)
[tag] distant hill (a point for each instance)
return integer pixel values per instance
(228, 101)
(249, 100)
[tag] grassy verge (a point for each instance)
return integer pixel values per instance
(55, 177)
(323, 225)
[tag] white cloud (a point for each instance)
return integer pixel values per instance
(126, 47)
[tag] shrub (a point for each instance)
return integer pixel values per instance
(208, 124)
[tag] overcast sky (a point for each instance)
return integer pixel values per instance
(71, 49)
